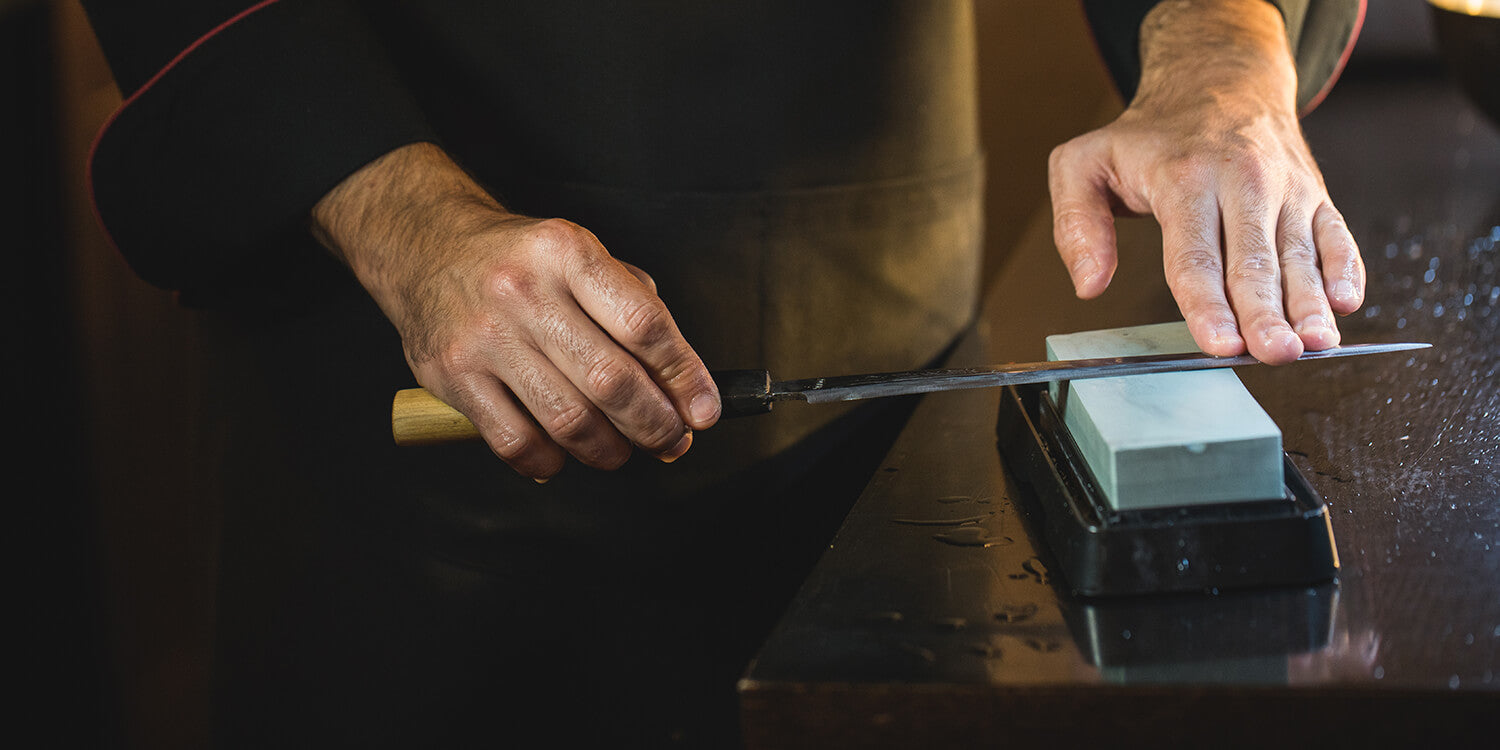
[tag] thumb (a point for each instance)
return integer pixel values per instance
(1083, 223)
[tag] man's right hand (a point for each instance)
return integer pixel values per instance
(527, 326)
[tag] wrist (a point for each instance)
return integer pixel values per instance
(1226, 55)
(389, 217)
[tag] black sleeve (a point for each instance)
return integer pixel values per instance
(1321, 33)
(237, 118)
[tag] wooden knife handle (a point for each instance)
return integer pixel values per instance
(420, 418)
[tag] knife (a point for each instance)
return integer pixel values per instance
(419, 418)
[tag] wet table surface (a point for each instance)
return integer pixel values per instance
(934, 619)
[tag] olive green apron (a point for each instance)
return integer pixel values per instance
(409, 596)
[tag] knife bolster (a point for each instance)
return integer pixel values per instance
(743, 392)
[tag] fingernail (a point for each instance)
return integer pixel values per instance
(1343, 291)
(703, 409)
(1313, 324)
(1226, 334)
(677, 450)
(541, 480)
(1283, 338)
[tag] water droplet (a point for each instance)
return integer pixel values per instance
(1045, 647)
(966, 521)
(972, 536)
(925, 654)
(1453, 682)
(1012, 613)
(1380, 673)
(986, 650)
(1125, 634)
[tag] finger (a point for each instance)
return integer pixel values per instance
(642, 275)
(505, 426)
(1194, 268)
(634, 317)
(611, 379)
(1083, 224)
(567, 415)
(1302, 281)
(1343, 270)
(1253, 272)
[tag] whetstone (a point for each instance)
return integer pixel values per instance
(1169, 439)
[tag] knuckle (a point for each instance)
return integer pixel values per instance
(1331, 218)
(611, 381)
(1062, 154)
(560, 239)
(662, 433)
(645, 322)
(1194, 263)
(571, 424)
(512, 282)
(609, 460)
(1297, 252)
(510, 445)
(1254, 267)
(1270, 299)
(1266, 319)
(555, 234)
(1189, 172)
(602, 450)
(1252, 177)
(1072, 225)
(683, 368)
(451, 360)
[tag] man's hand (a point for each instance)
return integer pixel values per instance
(1254, 251)
(527, 326)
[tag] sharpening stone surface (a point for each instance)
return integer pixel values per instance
(1168, 439)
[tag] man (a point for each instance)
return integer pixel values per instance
(800, 184)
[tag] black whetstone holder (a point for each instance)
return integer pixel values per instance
(1106, 552)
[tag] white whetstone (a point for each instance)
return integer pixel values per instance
(1170, 439)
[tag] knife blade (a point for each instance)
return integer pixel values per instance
(419, 418)
(746, 392)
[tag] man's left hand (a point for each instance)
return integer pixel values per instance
(1255, 253)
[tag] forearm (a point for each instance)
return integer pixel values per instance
(387, 220)
(1197, 53)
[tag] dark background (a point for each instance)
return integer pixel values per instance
(114, 511)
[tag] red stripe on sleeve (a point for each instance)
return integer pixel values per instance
(1359, 22)
(94, 147)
